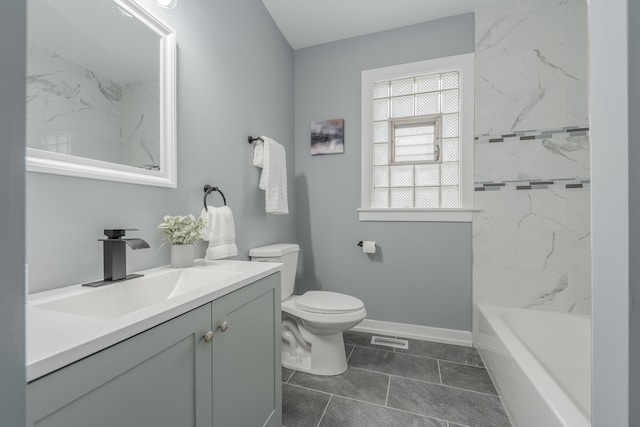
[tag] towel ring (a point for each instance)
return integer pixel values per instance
(208, 189)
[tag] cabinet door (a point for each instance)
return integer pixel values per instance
(161, 377)
(247, 389)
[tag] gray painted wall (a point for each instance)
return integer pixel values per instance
(235, 73)
(12, 116)
(422, 272)
(634, 210)
(610, 211)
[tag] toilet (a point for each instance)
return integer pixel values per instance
(312, 323)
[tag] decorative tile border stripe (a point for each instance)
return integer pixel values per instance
(528, 184)
(526, 135)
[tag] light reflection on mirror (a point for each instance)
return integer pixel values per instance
(94, 88)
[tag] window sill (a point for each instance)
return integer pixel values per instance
(417, 215)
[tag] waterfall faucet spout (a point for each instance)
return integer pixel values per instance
(136, 243)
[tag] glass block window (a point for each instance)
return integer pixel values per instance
(416, 129)
(417, 140)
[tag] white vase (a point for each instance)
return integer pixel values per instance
(182, 255)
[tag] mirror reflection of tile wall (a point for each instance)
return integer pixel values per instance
(73, 110)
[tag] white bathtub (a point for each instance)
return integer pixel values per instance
(540, 362)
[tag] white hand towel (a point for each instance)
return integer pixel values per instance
(220, 231)
(273, 180)
(258, 158)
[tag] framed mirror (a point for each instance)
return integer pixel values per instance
(101, 92)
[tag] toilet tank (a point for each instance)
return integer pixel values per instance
(286, 253)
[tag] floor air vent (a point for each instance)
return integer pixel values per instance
(390, 342)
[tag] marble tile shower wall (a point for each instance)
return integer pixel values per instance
(74, 110)
(140, 124)
(531, 244)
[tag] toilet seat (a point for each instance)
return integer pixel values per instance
(324, 302)
(330, 321)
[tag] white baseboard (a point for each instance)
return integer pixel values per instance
(423, 333)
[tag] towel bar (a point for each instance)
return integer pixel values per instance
(208, 189)
(252, 139)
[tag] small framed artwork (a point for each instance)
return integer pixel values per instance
(327, 137)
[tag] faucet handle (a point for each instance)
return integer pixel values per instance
(116, 233)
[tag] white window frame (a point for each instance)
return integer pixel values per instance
(464, 64)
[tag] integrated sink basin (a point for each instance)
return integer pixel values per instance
(121, 298)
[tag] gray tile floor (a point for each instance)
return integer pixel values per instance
(430, 385)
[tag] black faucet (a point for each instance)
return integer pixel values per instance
(115, 256)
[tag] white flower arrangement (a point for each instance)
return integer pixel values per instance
(181, 229)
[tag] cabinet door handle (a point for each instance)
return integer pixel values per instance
(209, 335)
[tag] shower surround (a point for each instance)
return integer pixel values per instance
(531, 239)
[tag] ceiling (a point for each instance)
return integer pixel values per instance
(307, 23)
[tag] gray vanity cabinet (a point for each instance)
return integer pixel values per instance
(161, 377)
(247, 379)
(176, 374)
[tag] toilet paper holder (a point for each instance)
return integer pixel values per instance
(360, 244)
(369, 247)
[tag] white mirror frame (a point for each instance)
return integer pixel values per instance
(63, 164)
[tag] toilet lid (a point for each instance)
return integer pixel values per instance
(328, 302)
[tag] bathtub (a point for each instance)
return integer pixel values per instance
(540, 362)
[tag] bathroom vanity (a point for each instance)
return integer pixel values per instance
(205, 355)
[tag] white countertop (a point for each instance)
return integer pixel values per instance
(56, 338)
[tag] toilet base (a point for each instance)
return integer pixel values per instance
(326, 357)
